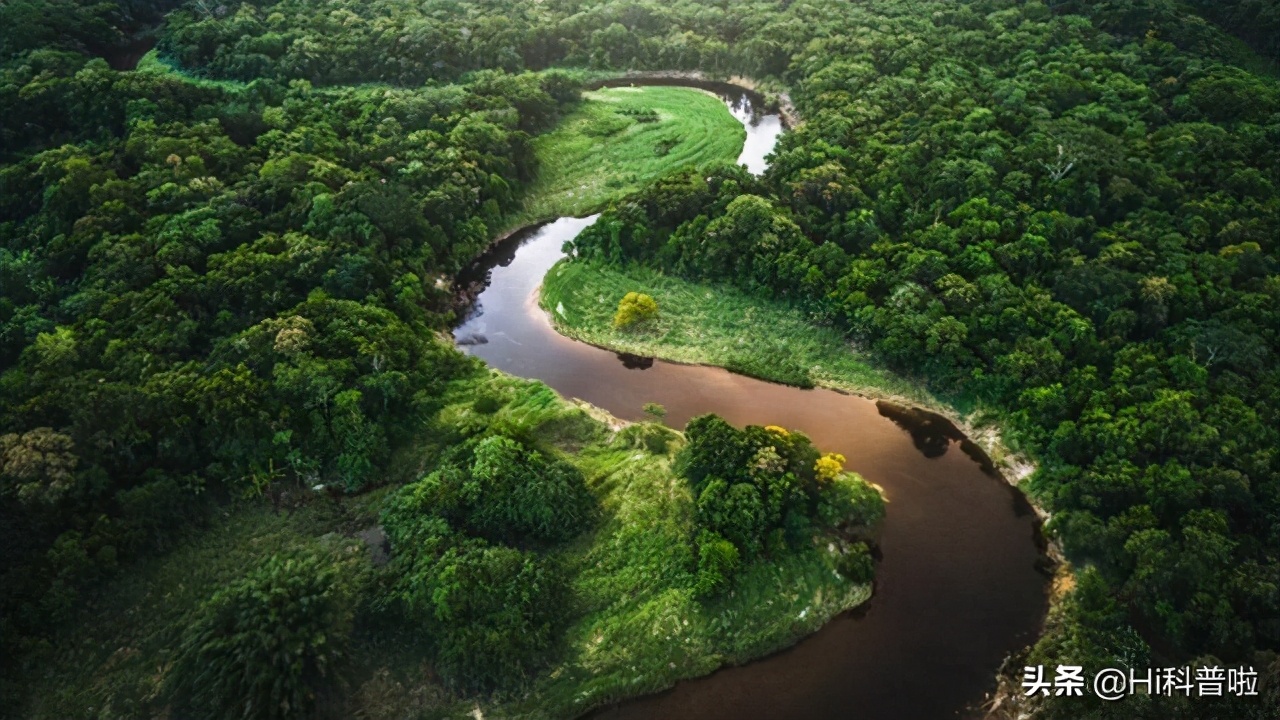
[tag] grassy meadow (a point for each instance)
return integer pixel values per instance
(632, 625)
(617, 139)
(769, 339)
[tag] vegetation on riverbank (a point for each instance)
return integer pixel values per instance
(767, 338)
(618, 139)
(629, 620)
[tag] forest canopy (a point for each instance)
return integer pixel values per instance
(226, 273)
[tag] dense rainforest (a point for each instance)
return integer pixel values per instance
(225, 276)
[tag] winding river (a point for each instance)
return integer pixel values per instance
(957, 588)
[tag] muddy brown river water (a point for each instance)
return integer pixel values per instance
(957, 586)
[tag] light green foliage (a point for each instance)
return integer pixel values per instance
(634, 309)
(601, 151)
(848, 501)
(268, 645)
(655, 410)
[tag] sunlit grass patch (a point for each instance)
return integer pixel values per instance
(609, 147)
(770, 339)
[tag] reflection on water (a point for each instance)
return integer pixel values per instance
(932, 434)
(635, 362)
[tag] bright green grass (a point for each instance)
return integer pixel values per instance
(720, 326)
(633, 625)
(598, 153)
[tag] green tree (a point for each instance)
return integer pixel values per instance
(269, 645)
(635, 309)
(517, 493)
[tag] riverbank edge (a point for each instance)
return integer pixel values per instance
(1013, 467)
(1006, 700)
(791, 119)
(781, 99)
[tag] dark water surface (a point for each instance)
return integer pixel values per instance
(957, 588)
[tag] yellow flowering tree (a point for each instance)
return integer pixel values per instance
(634, 308)
(828, 467)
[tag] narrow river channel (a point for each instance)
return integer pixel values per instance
(957, 587)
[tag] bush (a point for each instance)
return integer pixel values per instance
(486, 404)
(268, 644)
(849, 502)
(489, 609)
(516, 493)
(857, 564)
(655, 410)
(635, 308)
(715, 448)
(734, 512)
(717, 561)
(650, 437)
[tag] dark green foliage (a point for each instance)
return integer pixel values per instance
(717, 561)
(857, 564)
(1066, 211)
(756, 491)
(734, 512)
(487, 401)
(268, 646)
(488, 609)
(201, 308)
(715, 449)
(505, 492)
(1071, 220)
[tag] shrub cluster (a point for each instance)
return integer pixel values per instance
(465, 573)
(759, 488)
(268, 645)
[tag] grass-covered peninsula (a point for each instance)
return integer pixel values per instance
(771, 339)
(618, 139)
